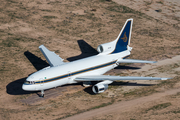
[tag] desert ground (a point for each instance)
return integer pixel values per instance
(74, 29)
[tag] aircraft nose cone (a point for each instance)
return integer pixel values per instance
(24, 87)
(27, 87)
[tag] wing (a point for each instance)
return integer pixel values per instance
(134, 61)
(52, 58)
(113, 78)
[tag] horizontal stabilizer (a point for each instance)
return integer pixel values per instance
(52, 58)
(113, 78)
(134, 61)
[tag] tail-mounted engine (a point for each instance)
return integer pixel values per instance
(106, 47)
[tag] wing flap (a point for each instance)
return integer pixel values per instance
(52, 58)
(114, 78)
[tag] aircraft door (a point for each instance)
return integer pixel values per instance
(69, 75)
(115, 65)
(41, 81)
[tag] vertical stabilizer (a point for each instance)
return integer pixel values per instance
(123, 40)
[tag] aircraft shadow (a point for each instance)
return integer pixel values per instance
(15, 88)
(121, 83)
(127, 67)
(37, 62)
(89, 90)
(86, 50)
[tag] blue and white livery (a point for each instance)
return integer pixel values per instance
(88, 69)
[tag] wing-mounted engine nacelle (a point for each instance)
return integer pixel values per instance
(101, 87)
(106, 47)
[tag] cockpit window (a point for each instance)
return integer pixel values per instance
(29, 82)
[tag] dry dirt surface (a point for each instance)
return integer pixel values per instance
(74, 29)
(118, 111)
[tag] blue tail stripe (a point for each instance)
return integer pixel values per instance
(123, 40)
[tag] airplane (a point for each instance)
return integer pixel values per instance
(88, 69)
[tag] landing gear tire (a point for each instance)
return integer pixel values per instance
(42, 94)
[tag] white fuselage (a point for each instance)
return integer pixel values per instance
(65, 74)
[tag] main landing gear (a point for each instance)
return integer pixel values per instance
(42, 94)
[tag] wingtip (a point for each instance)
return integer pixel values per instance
(165, 78)
(41, 46)
(154, 61)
